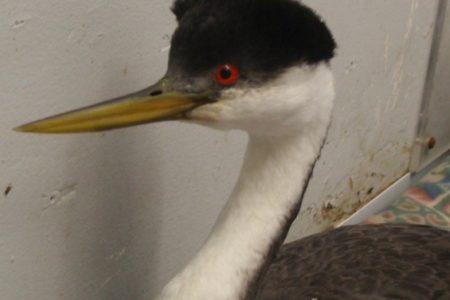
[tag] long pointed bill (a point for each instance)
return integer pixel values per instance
(126, 111)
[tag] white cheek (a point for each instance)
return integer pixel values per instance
(288, 102)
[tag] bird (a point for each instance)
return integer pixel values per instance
(263, 67)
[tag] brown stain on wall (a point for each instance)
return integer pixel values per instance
(331, 215)
(362, 185)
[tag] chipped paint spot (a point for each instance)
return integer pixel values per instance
(326, 209)
(20, 21)
(350, 67)
(60, 197)
(18, 24)
(8, 190)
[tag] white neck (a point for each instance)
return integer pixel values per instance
(256, 218)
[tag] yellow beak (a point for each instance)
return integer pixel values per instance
(134, 109)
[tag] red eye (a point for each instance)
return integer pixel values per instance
(227, 74)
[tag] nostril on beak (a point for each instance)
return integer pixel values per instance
(156, 93)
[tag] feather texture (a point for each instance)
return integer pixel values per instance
(388, 261)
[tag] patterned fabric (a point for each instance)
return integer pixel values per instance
(427, 202)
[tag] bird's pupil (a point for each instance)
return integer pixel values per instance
(225, 73)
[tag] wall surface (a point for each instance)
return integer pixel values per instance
(384, 49)
(115, 215)
(436, 106)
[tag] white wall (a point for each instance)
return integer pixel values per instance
(113, 216)
(435, 121)
(383, 57)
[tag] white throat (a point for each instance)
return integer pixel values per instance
(264, 202)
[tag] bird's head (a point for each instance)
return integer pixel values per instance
(256, 65)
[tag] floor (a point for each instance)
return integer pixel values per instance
(426, 202)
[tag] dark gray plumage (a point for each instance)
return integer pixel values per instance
(389, 261)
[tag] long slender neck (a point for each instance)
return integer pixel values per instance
(266, 199)
(255, 220)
